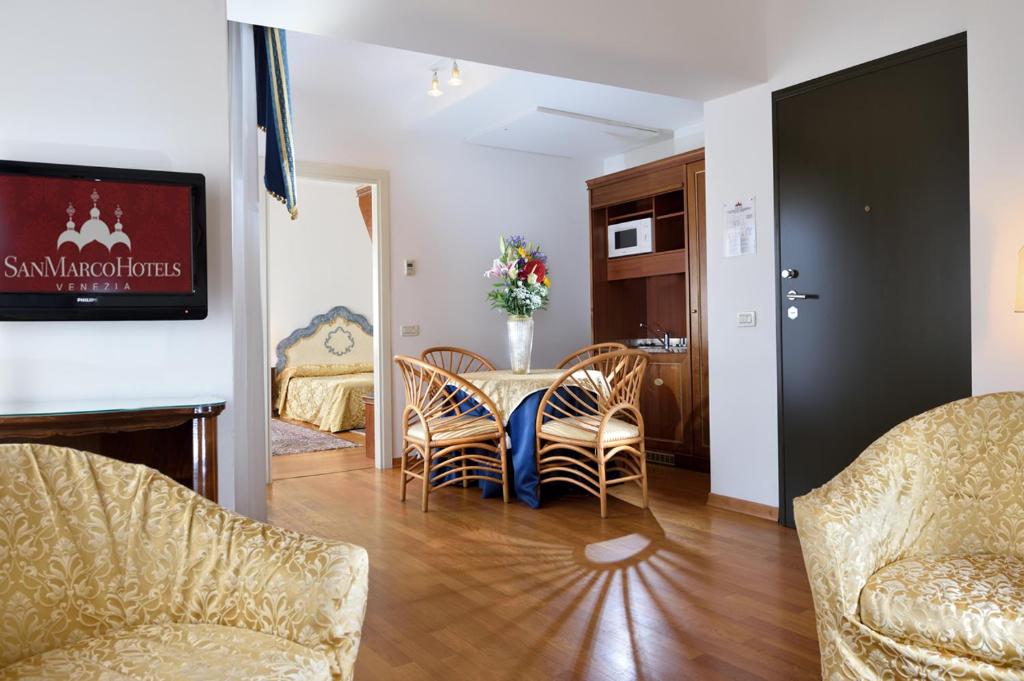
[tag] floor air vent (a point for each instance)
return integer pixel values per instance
(662, 458)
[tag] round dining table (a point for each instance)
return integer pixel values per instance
(517, 398)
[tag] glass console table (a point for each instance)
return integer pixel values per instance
(176, 436)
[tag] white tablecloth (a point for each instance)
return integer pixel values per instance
(507, 390)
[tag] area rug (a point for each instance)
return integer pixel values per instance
(286, 438)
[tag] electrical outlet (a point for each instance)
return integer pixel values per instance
(410, 329)
(409, 267)
(746, 319)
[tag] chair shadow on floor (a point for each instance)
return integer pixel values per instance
(626, 601)
(477, 589)
(619, 601)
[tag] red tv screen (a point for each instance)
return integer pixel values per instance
(63, 235)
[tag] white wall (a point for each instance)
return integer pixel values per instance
(321, 260)
(448, 207)
(127, 84)
(809, 39)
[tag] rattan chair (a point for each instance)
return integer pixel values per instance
(590, 432)
(588, 351)
(456, 360)
(449, 431)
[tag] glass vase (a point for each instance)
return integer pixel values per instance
(520, 343)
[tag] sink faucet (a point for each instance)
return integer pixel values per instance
(663, 333)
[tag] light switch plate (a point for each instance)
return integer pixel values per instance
(410, 329)
(409, 267)
(746, 319)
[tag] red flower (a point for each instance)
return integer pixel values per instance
(533, 267)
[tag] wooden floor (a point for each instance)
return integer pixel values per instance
(319, 463)
(478, 590)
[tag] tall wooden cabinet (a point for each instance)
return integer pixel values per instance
(664, 288)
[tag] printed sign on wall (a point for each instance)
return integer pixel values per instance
(61, 235)
(740, 236)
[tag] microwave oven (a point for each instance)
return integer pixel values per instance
(629, 238)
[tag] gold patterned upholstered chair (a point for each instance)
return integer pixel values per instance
(110, 570)
(915, 552)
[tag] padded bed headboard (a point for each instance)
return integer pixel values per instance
(338, 336)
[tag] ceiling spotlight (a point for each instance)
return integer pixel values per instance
(456, 79)
(435, 87)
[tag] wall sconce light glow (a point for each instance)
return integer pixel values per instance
(1019, 306)
(435, 87)
(456, 79)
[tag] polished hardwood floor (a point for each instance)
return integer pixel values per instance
(479, 590)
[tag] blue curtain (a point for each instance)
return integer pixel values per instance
(274, 114)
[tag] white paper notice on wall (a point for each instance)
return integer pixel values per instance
(740, 229)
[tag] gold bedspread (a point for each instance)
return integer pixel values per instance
(329, 396)
(941, 486)
(111, 566)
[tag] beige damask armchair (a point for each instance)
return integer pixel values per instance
(915, 552)
(110, 570)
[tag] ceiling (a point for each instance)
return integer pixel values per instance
(685, 48)
(383, 90)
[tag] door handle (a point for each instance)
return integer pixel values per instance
(796, 295)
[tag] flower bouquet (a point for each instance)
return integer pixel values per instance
(521, 287)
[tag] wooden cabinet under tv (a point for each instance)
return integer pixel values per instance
(666, 288)
(177, 437)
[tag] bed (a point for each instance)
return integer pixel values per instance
(325, 369)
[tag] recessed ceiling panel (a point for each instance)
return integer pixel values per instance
(571, 135)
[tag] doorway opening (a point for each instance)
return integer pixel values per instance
(324, 293)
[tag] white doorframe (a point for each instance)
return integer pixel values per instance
(381, 248)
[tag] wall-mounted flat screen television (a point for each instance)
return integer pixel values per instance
(84, 243)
